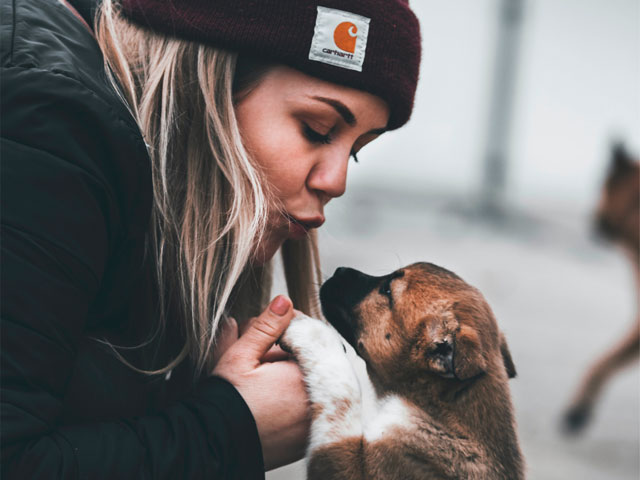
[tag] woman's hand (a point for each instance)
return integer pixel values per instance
(272, 386)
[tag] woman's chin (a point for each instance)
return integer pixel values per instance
(265, 252)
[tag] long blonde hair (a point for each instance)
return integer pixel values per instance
(211, 203)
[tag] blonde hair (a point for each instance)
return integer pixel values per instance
(211, 203)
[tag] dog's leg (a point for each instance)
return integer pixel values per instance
(624, 353)
(335, 398)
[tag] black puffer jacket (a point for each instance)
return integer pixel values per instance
(76, 197)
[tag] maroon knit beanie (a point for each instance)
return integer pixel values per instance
(370, 45)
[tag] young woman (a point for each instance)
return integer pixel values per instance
(153, 162)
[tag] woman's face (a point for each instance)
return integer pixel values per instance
(302, 132)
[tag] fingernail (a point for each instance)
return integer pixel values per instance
(280, 305)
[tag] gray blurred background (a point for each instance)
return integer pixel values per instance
(496, 178)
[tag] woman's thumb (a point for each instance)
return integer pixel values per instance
(264, 330)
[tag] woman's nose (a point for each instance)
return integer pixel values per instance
(329, 176)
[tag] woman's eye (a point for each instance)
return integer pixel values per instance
(315, 137)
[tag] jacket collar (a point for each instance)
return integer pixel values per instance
(86, 9)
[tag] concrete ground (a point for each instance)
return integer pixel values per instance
(561, 298)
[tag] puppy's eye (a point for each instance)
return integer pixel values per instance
(385, 288)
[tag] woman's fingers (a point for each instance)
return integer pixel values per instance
(274, 390)
(263, 331)
(275, 354)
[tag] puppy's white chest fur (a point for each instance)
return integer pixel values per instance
(344, 401)
(392, 413)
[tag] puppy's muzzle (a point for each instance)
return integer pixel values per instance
(341, 294)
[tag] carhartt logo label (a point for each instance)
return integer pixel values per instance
(340, 38)
(345, 36)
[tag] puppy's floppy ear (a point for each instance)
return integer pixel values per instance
(506, 357)
(468, 359)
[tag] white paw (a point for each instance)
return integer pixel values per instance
(332, 384)
(308, 336)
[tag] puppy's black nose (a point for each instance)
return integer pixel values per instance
(342, 273)
(347, 287)
(341, 294)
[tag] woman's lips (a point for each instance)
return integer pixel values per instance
(299, 227)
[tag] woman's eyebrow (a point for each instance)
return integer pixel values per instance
(345, 113)
(341, 108)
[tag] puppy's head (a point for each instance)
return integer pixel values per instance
(421, 320)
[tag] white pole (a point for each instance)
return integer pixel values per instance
(501, 107)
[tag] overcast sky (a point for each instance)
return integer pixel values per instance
(578, 86)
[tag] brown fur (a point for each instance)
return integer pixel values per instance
(343, 460)
(462, 418)
(617, 218)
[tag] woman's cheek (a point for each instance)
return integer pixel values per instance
(286, 168)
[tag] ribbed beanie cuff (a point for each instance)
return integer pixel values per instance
(370, 45)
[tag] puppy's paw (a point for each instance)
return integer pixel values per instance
(297, 336)
(310, 337)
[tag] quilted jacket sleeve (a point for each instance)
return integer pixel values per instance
(64, 200)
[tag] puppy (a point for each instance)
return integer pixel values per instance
(434, 401)
(617, 219)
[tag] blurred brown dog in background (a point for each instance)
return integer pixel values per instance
(617, 219)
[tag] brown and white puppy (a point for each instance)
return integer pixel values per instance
(434, 400)
(618, 220)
